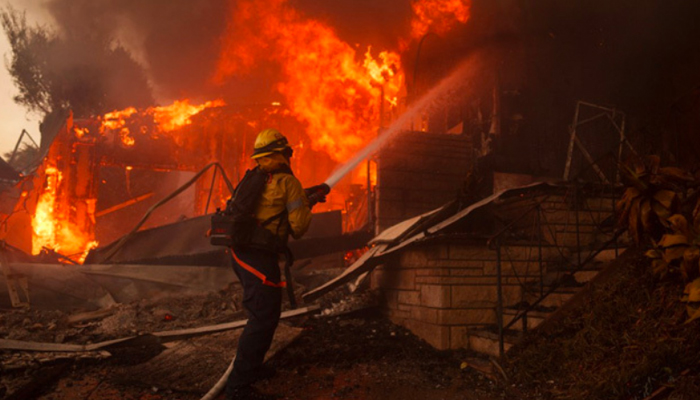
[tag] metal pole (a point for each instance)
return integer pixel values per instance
(614, 213)
(578, 226)
(369, 195)
(211, 189)
(539, 248)
(19, 141)
(570, 151)
(619, 149)
(499, 307)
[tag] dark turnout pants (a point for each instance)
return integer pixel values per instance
(263, 304)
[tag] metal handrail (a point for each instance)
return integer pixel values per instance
(507, 228)
(556, 285)
(496, 243)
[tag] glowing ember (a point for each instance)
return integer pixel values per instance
(126, 137)
(80, 132)
(438, 16)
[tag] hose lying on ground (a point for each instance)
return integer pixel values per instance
(218, 386)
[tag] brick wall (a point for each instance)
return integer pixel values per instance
(440, 289)
(419, 172)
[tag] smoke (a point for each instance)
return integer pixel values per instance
(639, 55)
(175, 41)
(178, 42)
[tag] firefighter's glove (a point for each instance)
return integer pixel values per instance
(317, 194)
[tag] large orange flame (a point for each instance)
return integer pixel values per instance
(179, 114)
(327, 85)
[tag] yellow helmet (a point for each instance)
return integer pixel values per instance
(269, 141)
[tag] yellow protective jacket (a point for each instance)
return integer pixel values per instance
(283, 191)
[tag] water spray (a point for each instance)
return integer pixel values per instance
(436, 93)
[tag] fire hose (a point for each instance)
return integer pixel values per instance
(219, 385)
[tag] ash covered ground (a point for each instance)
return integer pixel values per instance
(627, 342)
(354, 355)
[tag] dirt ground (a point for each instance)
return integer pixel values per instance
(337, 353)
(364, 356)
(360, 355)
(627, 341)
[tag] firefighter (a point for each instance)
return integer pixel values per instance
(283, 209)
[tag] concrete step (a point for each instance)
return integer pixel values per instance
(585, 276)
(486, 342)
(534, 318)
(555, 299)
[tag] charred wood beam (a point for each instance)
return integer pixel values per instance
(124, 204)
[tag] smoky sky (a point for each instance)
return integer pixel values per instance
(179, 40)
(638, 55)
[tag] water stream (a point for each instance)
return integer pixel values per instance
(437, 93)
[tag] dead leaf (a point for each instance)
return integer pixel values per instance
(676, 173)
(691, 293)
(693, 313)
(659, 267)
(666, 198)
(679, 224)
(654, 254)
(670, 240)
(674, 253)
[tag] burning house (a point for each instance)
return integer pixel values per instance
(464, 194)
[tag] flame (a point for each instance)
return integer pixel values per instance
(438, 16)
(43, 223)
(116, 119)
(80, 132)
(126, 138)
(166, 119)
(327, 86)
(52, 227)
(179, 113)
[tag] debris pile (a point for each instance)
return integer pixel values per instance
(148, 315)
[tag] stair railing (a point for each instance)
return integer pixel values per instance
(499, 242)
